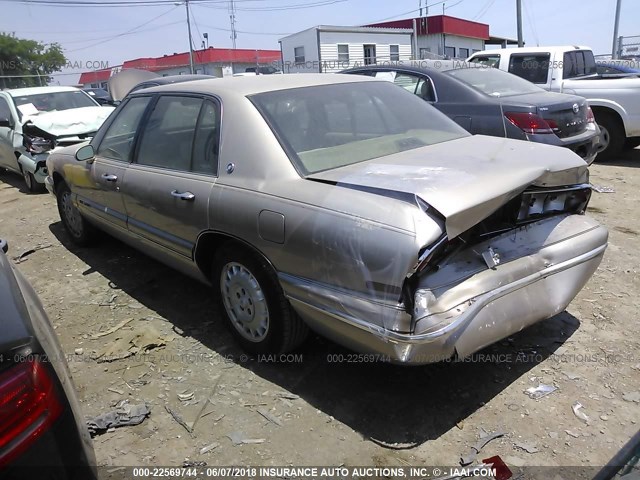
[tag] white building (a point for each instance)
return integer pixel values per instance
(333, 48)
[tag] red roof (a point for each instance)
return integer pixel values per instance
(208, 55)
(441, 24)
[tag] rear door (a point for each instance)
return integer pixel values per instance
(167, 188)
(98, 184)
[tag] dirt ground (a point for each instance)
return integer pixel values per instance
(309, 408)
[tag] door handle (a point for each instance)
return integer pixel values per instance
(109, 178)
(184, 195)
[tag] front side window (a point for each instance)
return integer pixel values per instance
(329, 126)
(167, 139)
(5, 111)
(394, 53)
(343, 53)
(298, 54)
(118, 140)
(532, 67)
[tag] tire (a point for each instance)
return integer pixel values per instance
(252, 302)
(82, 233)
(613, 135)
(30, 182)
(632, 143)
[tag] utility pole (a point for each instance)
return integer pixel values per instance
(232, 18)
(615, 48)
(519, 21)
(186, 4)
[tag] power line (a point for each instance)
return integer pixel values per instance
(127, 32)
(298, 6)
(484, 9)
(531, 22)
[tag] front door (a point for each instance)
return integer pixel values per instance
(369, 54)
(167, 188)
(98, 184)
(7, 157)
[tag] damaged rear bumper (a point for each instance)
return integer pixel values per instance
(468, 306)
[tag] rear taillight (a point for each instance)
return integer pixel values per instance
(590, 117)
(29, 405)
(530, 122)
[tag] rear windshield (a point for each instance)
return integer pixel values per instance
(330, 126)
(494, 82)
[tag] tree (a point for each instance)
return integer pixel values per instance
(27, 63)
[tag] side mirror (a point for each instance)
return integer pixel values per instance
(4, 246)
(6, 122)
(85, 153)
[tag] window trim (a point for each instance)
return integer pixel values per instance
(143, 123)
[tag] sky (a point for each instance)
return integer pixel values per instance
(106, 36)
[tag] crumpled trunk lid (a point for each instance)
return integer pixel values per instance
(465, 180)
(74, 121)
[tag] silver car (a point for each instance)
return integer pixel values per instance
(34, 121)
(340, 203)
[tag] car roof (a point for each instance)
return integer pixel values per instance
(420, 66)
(177, 78)
(561, 48)
(258, 84)
(15, 92)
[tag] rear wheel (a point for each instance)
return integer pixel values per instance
(613, 136)
(253, 304)
(81, 232)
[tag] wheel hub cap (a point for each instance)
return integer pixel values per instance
(244, 302)
(71, 214)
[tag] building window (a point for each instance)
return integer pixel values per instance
(298, 54)
(369, 54)
(343, 53)
(394, 53)
(463, 52)
(450, 52)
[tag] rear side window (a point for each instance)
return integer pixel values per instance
(5, 111)
(206, 142)
(168, 135)
(532, 67)
(578, 63)
(117, 141)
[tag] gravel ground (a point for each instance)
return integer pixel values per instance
(310, 409)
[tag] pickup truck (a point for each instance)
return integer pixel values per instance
(572, 69)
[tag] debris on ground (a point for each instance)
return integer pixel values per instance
(178, 418)
(475, 450)
(571, 376)
(208, 448)
(132, 343)
(23, 256)
(79, 351)
(193, 463)
(238, 438)
(527, 447)
(287, 395)
(124, 415)
(602, 189)
(112, 329)
(269, 416)
(502, 472)
(185, 396)
(572, 434)
(115, 390)
(577, 411)
(540, 391)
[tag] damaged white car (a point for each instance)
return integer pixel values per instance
(35, 121)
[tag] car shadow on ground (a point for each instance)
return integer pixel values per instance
(628, 158)
(16, 181)
(394, 406)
